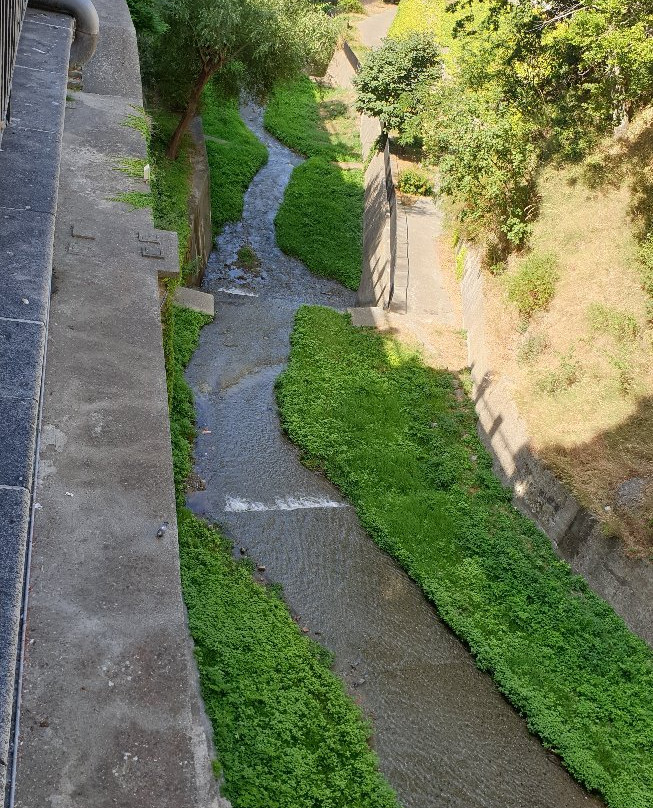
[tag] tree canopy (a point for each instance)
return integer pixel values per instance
(256, 41)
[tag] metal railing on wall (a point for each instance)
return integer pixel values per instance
(12, 13)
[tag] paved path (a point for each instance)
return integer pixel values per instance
(374, 28)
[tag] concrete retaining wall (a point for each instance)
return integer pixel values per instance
(380, 236)
(626, 583)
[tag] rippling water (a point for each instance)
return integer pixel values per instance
(444, 735)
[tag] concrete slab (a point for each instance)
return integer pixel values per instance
(115, 67)
(18, 419)
(14, 509)
(44, 52)
(370, 317)
(195, 300)
(21, 357)
(26, 261)
(29, 168)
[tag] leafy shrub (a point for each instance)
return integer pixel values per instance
(619, 324)
(533, 346)
(350, 7)
(532, 287)
(146, 16)
(568, 373)
(414, 181)
(487, 155)
(389, 80)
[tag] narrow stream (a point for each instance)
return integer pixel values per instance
(444, 735)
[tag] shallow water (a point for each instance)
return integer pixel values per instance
(444, 735)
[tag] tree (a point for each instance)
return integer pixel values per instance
(260, 40)
(389, 82)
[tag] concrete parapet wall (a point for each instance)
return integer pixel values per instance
(626, 583)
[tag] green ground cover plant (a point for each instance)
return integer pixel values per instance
(297, 114)
(287, 734)
(170, 180)
(533, 285)
(235, 156)
(621, 325)
(394, 436)
(321, 218)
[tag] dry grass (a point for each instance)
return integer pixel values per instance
(597, 432)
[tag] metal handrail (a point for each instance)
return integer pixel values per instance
(12, 14)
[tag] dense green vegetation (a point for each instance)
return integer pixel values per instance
(235, 155)
(526, 82)
(320, 220)
(243, 44)
(170, 181)
(287, 734)
(296, 113)
(404, 449)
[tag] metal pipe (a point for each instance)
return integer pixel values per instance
(87, 25)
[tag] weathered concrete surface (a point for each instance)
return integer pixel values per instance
(625, 583)
(374, 28)
(29, 171)
(110, 709)
(193, 299)
(107, 694)
(376, 277)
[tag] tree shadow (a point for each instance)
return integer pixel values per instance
(612, 475)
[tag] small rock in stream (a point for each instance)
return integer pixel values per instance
(261, 568)
(243, 551)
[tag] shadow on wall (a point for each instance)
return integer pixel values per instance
(591, 547)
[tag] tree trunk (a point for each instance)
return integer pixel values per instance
(189, 112)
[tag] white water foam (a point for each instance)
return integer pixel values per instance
(234, 291)
(239, 505)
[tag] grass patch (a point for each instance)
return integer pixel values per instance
(620, 325)
(393, 436)
(532, 347)
(235, 156)
(170, 180)
(321, 220)
(568, 373)
(313, 120)
(533, 285)
(286, 732)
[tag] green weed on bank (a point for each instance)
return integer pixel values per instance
(392, 434)
(321, 220)
(286, 733)
(235, 156)
(297, 114)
